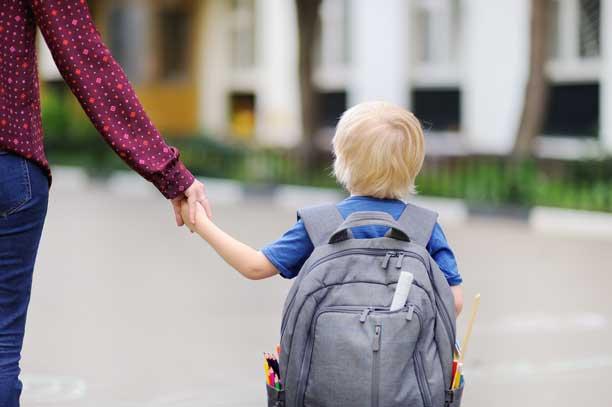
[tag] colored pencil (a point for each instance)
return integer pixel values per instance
(271, 376)
(468, 332)
(464, 345)
(266, 370)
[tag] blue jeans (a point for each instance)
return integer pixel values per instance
(24, 192)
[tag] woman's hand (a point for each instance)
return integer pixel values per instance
(194, 195)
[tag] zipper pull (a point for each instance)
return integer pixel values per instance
(410, 313)
(385, 262)
(376, 340)
(400, 260)
(364, 315)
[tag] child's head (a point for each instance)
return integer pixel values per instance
(379, 150)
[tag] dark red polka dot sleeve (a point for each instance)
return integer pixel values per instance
(94, 77)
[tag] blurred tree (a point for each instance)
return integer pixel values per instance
(536, 93)
(308, 21)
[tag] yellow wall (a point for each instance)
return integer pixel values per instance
(173, 108)
(172, 105)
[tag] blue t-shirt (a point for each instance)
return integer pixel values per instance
(290, 252)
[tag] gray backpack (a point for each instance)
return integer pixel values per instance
(340, 344)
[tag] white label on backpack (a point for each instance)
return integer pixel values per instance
(402, 290)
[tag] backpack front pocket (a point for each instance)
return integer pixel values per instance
(359, 356)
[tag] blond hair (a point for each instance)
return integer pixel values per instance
(379, 150)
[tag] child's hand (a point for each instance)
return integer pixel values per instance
(200, 214)
(458, 294)
(185, 215)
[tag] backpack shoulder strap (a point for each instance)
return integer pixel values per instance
(320, 222)
(419, 223)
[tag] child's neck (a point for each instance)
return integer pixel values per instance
(357, 195)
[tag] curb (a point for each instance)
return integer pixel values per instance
(571, 222)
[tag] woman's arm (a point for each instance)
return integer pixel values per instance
(107, 97)
(247, 261)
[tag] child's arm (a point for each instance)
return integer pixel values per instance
(247, 261)
(458, 294)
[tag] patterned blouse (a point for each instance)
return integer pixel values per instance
(94, 77)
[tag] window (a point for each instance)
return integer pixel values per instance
(334, 46)
(174, 37)
(242, 115)
(573, 110)
(573, 69)
(438, 109)
(242, 26)
(436, 94)
(331, 107)
(575, 30)
(437, 31)
(590, 28)
(424, 46)
(554, 42)
(434, 43)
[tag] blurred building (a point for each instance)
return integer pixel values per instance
(229, 67)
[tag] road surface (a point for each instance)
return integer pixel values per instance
(130, 311)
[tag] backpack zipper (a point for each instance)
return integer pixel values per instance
(376, 365)
(422, 379)
(400, 260)
(385, 262)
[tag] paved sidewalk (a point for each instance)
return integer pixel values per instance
(130, 311)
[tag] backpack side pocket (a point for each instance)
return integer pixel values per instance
(453, 397)
(276, 398)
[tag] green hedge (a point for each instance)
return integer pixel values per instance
(480, 180)
(498, 181)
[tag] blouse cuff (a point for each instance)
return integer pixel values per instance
(174, 180)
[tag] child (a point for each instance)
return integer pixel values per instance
(379, 151)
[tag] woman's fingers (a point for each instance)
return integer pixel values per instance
(196, 194)
(176, 205)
